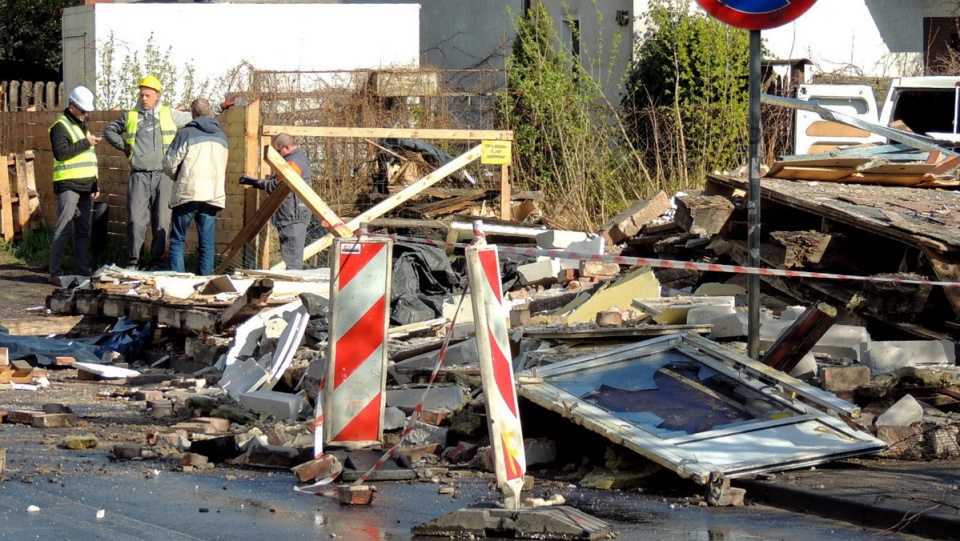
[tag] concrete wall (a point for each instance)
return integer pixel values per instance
(215, 38)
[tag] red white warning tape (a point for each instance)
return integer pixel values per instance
(670, 264)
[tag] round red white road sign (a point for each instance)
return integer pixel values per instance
(756, 14)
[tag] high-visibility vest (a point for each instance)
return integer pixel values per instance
(83, 165)
(168, 128)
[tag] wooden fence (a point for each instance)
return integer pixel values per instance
(31, 96)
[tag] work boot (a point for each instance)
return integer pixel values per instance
(54, 280)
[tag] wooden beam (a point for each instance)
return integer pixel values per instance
(505, 194)
(393, 201)
(6, 205)
(253, 226)
(380, 133)
(306, 193)
(799, 338)
(23, 196)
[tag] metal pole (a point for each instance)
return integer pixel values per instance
(753, 201)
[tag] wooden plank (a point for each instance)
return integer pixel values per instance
(392, 202)
(22, 222)
(505, 192)
(381, 133)
(896, 169)
(306, 193)
(945, 165)
(47, 325)
(886, 180)
(253, 226)
(792, 172)
(6, 206)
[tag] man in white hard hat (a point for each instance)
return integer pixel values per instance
(75, 175)
(144, 133)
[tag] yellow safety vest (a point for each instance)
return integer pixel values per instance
(168, 128)
(83, 165)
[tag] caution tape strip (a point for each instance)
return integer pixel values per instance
(686, 265)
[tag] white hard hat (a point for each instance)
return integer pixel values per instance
(82, 97)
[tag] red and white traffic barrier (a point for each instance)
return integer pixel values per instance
(496, 369)
(357, 358)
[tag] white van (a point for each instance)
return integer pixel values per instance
(813, 135)
(923, 105)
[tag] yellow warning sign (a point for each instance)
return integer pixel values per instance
(495, 153)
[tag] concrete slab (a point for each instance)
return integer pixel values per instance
(449, 397)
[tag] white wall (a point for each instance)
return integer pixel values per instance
(215, 38)
(881, 38)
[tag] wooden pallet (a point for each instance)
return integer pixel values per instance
(18, 185)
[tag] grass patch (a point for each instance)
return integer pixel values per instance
(33, 250)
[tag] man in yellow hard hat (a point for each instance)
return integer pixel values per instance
(144, 133)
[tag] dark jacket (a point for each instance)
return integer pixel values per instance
(292, 210)
(64, 148)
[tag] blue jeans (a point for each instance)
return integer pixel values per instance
(205, 215)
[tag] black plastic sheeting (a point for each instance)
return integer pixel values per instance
(423, 278)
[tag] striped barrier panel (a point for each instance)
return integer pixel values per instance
(357, 358)
(496, 370)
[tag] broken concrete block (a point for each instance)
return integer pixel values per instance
(791, 313)
(557, 239)
(627, 223)
(730, 326)
(674, 310)
(449, 397)
(242, 376)
(806, 368)
(423, 433)
(280, 406)
(267, 456)
(887, 356)
(416, 453)
(705, 315)
(539, 451)
(460, 453)
(844, 378)
(599, 269)
(53, 420)
(194, 460)
(541, 272)
(393, 418)
(126, 451)
(839, 342)
(904, 412)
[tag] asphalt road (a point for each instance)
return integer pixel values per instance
(143, 500)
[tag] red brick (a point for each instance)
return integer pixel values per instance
(355, 494)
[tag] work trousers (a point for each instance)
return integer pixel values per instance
(148, 201)
(74, 211)
(293, 236)
(205, 215)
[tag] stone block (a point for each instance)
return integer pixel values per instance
(543, 271)
(844, 378)
(904, 412)
(423, 433)
(449, 397)
(887, 356)
(280, 406)
(806, 368)
(706, 315)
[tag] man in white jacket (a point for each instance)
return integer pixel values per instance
(197, 161)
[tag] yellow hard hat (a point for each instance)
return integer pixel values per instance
(151, 82)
